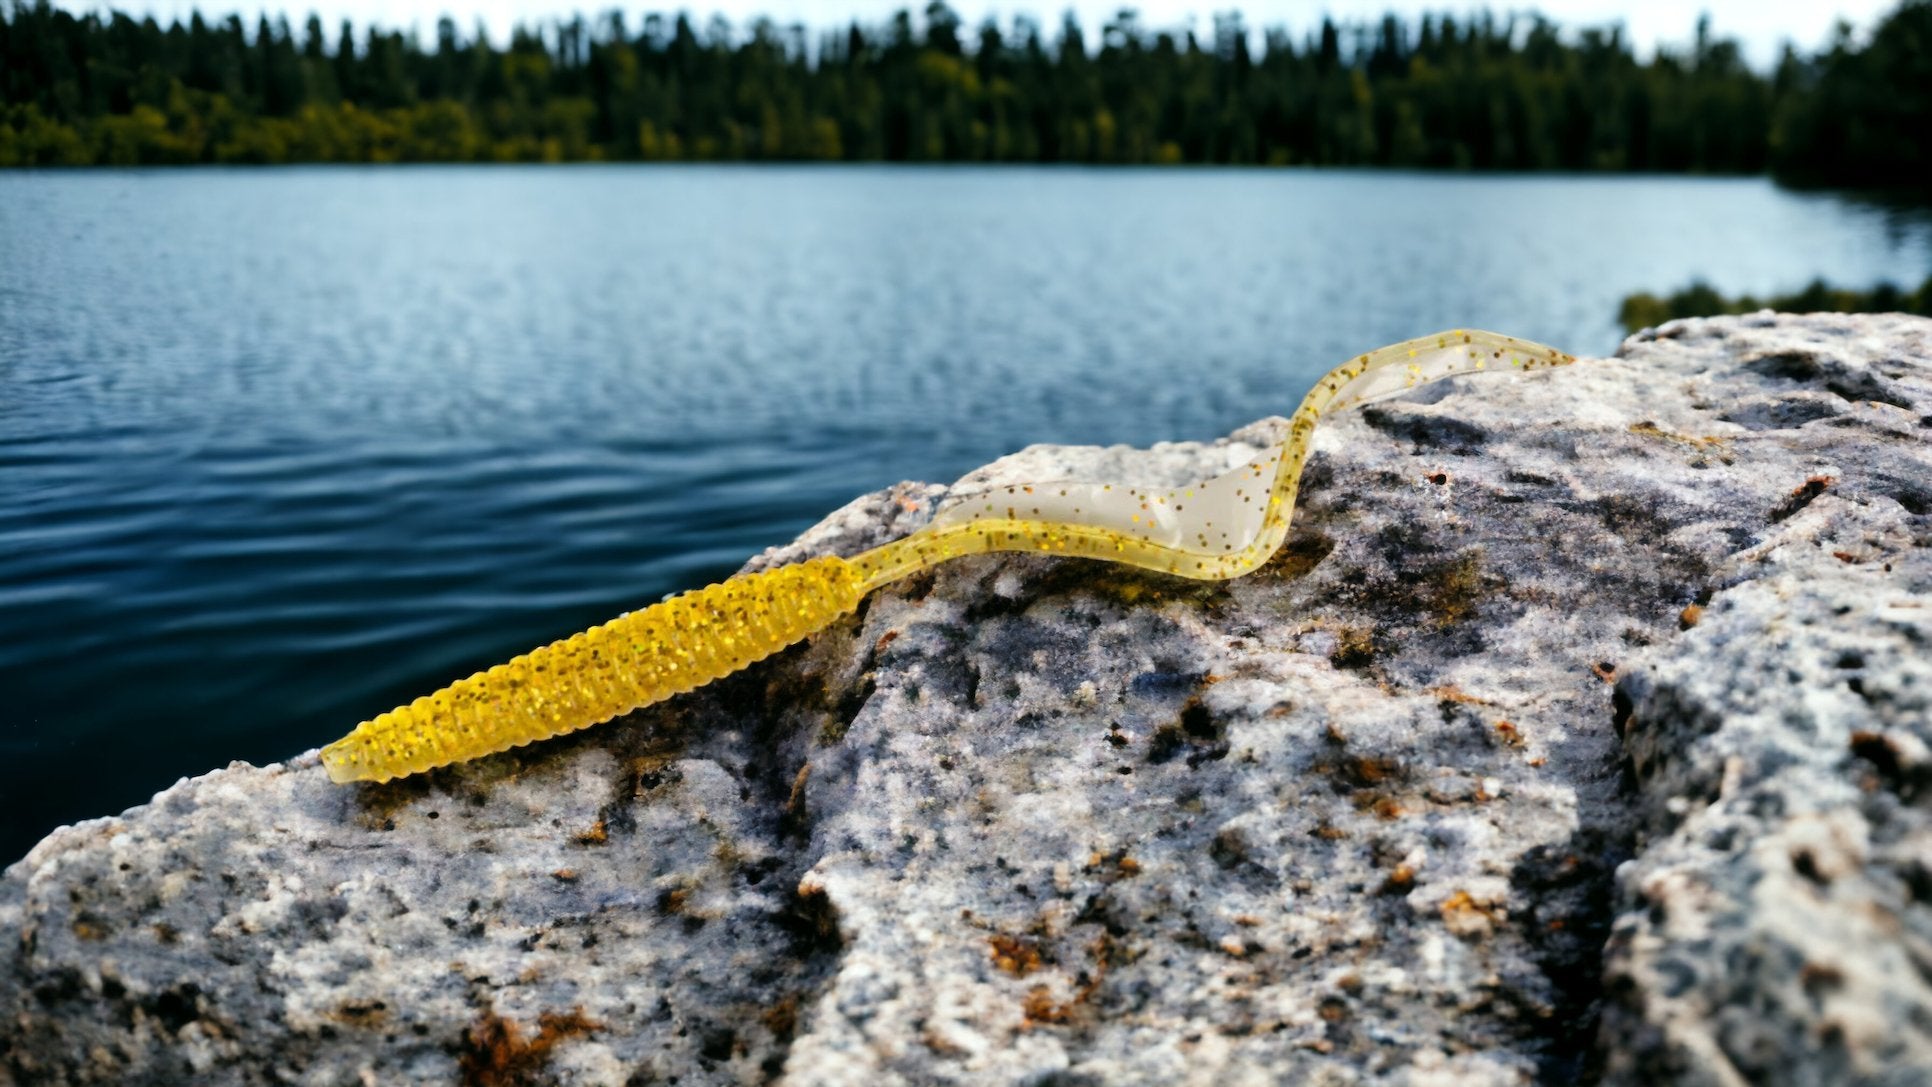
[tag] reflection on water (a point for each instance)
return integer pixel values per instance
(281, 449)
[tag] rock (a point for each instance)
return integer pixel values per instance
(1776, 927)
(1631, 653)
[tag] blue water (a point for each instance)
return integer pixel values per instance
(282, 448)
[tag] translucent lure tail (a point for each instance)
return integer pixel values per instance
(1218, 528)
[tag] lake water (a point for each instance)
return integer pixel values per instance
(280, 449)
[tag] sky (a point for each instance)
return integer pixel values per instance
(1760, 25)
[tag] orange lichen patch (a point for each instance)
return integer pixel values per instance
(782, 1017)
(812, 914)
(361, 1013)
(1509, 735)
(1367, 770)
(1878, 749)
(1694, 443)
(1819, 977)
(1368, 778)
(1317, 1045)
(598, 834)
(1300, 555)
(1329, 832)
(885, 639)
(1801, 496)
(940, 1044)
(795, 802)
(1040, 1009)
(646, 771)
(1689, 617)
(1400, 881)
(1449, 692)
(1463, 916)
(1453, 589)
(1354, 648)
(1384, 806)
(1016, 955)
(496, 1054)
(1605, 671)
(565, 875)
(1113, 866)
(1844, 556)
(1648, 429)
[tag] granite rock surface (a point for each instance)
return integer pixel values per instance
(1776, 924)
(1579, 731)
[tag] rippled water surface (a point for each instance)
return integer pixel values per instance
(280, 449)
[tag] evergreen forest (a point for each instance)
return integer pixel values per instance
(1702, 300)
(1476, 92)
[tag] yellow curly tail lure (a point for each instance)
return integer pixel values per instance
(1221, 528)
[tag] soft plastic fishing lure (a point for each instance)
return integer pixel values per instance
(1221, 528)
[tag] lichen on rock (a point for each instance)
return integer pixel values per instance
(1579, 729)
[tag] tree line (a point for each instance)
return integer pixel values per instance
(1479, 92)
(1645, 310)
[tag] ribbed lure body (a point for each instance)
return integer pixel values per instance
(1219, 528)
(644, 657)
